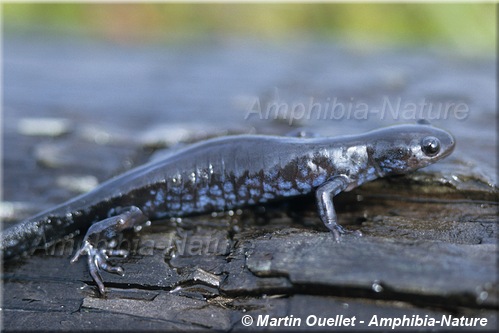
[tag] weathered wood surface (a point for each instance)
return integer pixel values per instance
(430, 238)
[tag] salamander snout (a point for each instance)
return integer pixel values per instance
(405, 148)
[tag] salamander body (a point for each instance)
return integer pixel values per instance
(226, 173)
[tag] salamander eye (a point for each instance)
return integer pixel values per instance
(430, 145)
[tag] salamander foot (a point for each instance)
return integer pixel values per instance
(338, 230)
(100, 240)
(97, 259)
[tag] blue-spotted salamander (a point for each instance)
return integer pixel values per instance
(223, 174)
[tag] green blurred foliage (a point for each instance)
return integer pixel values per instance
(469, 27)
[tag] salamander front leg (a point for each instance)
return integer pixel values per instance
(104, 232)
(324, 195)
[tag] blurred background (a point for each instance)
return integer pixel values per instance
(101, 82)
(467, 28)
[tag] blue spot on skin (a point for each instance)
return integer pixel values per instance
(361, 179)
(254, 192)
(252, 182)
(284, 185)
(230, 197)
(215, 190)
(187, 207)
(220, 203)
(242, 191)
(175, 206)
(290, 192)
(176, 190)
(160, 214)
(160, 198)
(202, 192)
(390, 165)
(204, 201)
(268, 188)
(319, 180)
(303, 186)
(228, 187)
(368, 175)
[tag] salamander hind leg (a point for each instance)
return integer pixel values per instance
(324, 195)
(100, 240)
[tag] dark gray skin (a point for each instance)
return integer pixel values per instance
(227, 173)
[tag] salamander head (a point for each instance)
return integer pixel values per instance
(405, 148)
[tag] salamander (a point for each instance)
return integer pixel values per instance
(223, 174)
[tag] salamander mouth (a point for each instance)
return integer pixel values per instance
(415, 163)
